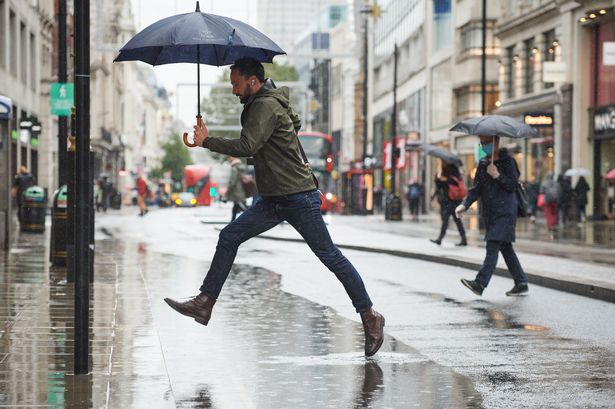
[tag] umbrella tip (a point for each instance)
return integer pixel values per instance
(198, 8)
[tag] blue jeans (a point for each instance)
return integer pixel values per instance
(302, 211)
(491, 260)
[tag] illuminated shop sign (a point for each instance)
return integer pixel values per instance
(604, 121)
(538, 119)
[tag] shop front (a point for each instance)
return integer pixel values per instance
(602, 115)
(603, 136)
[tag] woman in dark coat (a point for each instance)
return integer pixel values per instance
(580, 197)
(494, 184)
(450, 176)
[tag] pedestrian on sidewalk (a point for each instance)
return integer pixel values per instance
(142, 191)
(551, 190)
(288, 193)
(22, 181)
(234, 191)
(414, 194)
(580, 197)
(565, 197)
(450, 191)
(494, 184)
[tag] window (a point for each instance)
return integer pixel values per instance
(23, 48)
(528, 79)
(510, 75)
(442, 24)
(33, 62)
(441, 95)
(468, 100)
(13, 42)
(3, 33)
(549, 51)
(471, 39)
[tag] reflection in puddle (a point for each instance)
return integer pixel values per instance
(269, 349)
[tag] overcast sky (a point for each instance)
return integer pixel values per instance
(184, 97)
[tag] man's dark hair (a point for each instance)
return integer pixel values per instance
(248, 67)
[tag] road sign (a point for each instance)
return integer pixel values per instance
(62, 98)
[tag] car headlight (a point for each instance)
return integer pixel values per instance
(178, 201)
(192, 201)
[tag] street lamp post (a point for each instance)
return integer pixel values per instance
(393, 204)
(83, 184)
(62, 78)
(375, 12)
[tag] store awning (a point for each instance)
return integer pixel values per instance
(6, 105)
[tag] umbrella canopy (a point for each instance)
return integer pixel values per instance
(577, 172)
(495, 125)
(611, 174)
(198, 38)
(443, 154)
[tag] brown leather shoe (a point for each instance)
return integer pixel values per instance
(198, 307)
(373, 325)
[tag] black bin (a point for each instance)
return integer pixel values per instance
(33, 209)
(393, 208)
(59, 213)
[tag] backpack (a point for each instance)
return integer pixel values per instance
(551, 192)
(414, 192)
(249, 184)
(458, 190)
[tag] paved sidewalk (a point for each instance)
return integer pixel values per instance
(562, 264)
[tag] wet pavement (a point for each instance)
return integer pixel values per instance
(265, 348)
(284, 335)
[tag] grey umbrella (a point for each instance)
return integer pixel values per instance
(495, 125)
(443, 154)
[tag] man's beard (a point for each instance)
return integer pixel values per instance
(246, 95)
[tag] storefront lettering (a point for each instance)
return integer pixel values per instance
(604, 120)
(538, 120)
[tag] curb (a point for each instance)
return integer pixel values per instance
(586, 290)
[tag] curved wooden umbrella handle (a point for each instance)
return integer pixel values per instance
(187, 142)
(199, 122)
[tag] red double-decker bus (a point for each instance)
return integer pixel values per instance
(197, 181)
(318, 148)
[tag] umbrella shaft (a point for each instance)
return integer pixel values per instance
(198, 88)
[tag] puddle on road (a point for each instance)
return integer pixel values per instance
(265, 348)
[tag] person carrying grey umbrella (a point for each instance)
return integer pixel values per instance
(288, 193)
(494, 185)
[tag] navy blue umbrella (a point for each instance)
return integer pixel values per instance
(198, 38)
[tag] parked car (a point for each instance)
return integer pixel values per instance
(185, 199)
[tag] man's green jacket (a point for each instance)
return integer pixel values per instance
(269, 134)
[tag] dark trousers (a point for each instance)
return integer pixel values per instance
(302, 211)
(413, 204)
(446, 214)
(237, 208)
(491, 260)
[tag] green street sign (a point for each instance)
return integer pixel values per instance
(62, 98)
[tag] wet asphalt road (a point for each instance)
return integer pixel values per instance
(284, 335)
